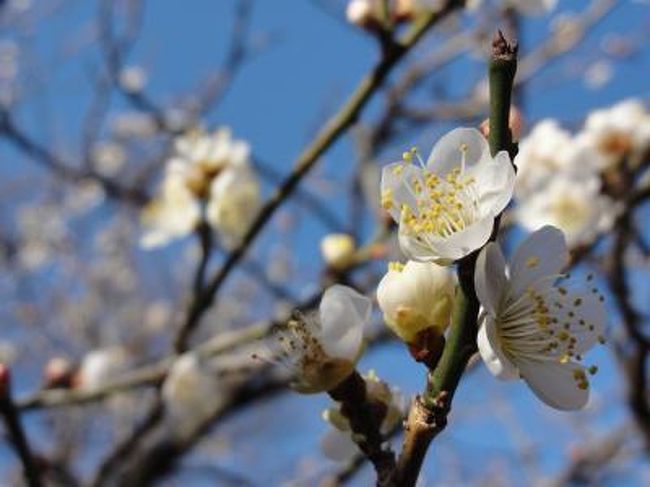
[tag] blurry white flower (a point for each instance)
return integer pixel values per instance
(338, 444)
(234, 203)
(622, 130)
(338, 250)
(133, 125)
(542, 154)
(211, 172)
(598, 74)
(108, 157)
(446, 208)
(101, 366)
(133, 78)
(572, 203)
(190, 388)
(415, 297)
(534, 328)
(526, 7)
(322, 350)
(84, 197)
(173, 214)
(363, 13)
(8, 352)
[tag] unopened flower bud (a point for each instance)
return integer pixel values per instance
(515, 122)
(338, 250)
(415, 297)
(58, 373)
(5, 380)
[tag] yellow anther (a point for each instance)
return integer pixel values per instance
(532, 262)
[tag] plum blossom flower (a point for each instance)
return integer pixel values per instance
(101, 366)
(190, 387)
(622, 130)
(572, 203)
(446, 207)
(338, 443)
(338, 250)
(534, 327)
(209, 178)
(416, 297)
(322, 350)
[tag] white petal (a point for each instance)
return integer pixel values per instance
(343, 315)
(490, 350)
(338, 445)
(446, 154)
(554, 384)
(544, 253)
(490, 278)
(495, 183)
(396, 179)
(533, 7)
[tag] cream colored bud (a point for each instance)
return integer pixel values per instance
(515, 121)
(338, 250)
(416, 297)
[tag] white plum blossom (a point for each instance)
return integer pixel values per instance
(209, 178)
(101, 366)
(234, 203)
(572, 203)
(446, 208)
(622, 130)
(338, 250)
(534, 325)
(415, 297)
(337, 444)
(190, 387)
(526, 7)
(322, 350)
(543, 153)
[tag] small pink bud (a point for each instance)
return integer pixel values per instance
(515, 121)
(58, 373)
(5, 380)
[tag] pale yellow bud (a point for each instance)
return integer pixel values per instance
(417, 297)
(338, 250)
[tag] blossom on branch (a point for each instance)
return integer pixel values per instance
(416, 297)
(446, 208)
(322, 350)
(338, 443)
(533, 325)
(209, 179)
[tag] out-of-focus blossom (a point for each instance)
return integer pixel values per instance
(415, 297)
(190, 388)
(108, 157)
(526, 7)
(84, 197)
(617, 132)
(129, 125)
(8, 352)
(338, 250)
(572, 203)
(598, 74)
(58, 373)
(133, 79)
(446, 208)
(337, 444)
(543, 153)
(173, 214)
(101, 366)
(234, 203)
(534, 327)
(322, 350)
(210, 173)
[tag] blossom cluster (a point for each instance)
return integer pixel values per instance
(567, 180)
(209, 179)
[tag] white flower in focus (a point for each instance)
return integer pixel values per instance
(573, 204)
(622, 130)
(534, 328)
(233, 203)
(175, 213)
(338, 250)
(190, 387)
(337, 444)
(101, 366)
(446, 208)
(322, 350)
(542, 154)
(415, 297)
